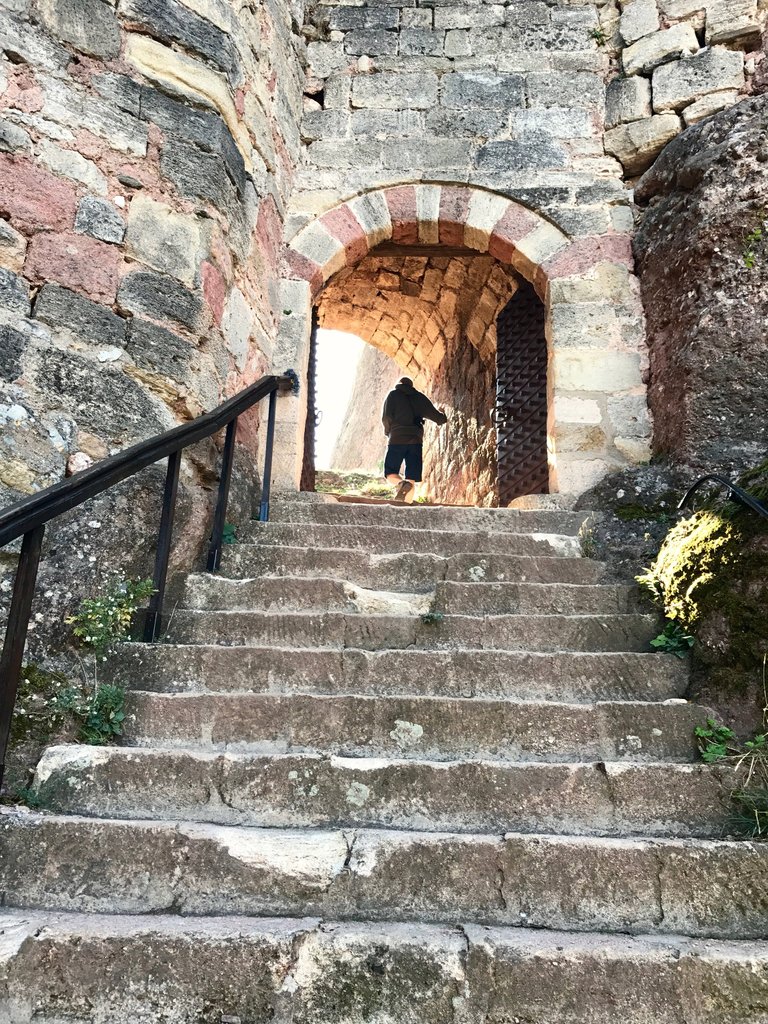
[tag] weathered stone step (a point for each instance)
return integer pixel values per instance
(428, 517)
(203, 592)
(310, 791)
(389, 632)
(691, 887)
(535, 599)
(567, 676)
(394, 539)
(437, 728)
(89, 969)
(409, 572)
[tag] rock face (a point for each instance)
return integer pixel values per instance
(361, 442)
(703, 265)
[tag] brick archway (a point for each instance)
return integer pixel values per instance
(598, 417)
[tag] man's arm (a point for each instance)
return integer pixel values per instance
(386, 417)
(429, 412)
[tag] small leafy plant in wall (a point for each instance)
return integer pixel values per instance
(103, 622)
(752, 250)
(673, 639)
(718, 744)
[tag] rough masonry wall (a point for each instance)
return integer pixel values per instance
(436, 317)
(147, 150)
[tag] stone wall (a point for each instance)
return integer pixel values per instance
(147, 152)
(436, 318)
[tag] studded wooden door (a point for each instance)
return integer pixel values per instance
(521, 397)
(308, 465)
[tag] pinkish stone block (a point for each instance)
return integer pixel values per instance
(79, 262)
(33, 198)
(454, 206)
(402, 210)
(300, 268)
(585, 253)
(214, 289)
(344, 226)
(516, 223)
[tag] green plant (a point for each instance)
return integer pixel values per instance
(715, 741)
(102, 622)
(103, 715)
(229, 534)
(599, 35)
(431, 618)
(673, 640)
(752, 244)
(587, 540)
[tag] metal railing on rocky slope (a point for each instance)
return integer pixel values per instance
(736, 494)
(28, 518)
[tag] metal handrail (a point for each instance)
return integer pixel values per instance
(28, 518)
(736, 494)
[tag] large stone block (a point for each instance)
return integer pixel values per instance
(561, 89)
(627, 99)
(162, 239)
(469, 123)
(373, 41)
(172, 22)
(14, 292)
(197, 174)
(89, 321)
(202, 127)
(733, 22)
(389, 90)
(13, 138)
(346, 18)
(469, 15)
(677, 85)
(100, 219)
(161, 298)
(638, 18)
(13, 344)
(484, 90)
(421, 42)
(638, 144)
(559, 122)
(159, 350)
(72, 165)
(78, 262)
(382, 124)
(535, 152)
(89, 25)
(659, 48)
(237, 326)
(591, 370)
(708, 105)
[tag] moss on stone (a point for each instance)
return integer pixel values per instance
(711, 575)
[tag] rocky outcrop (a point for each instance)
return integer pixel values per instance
(702, 256)
(361, 442)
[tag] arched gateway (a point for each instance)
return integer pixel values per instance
(597, 417)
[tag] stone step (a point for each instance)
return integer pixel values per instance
(563, 676)
(394, 539)
(312, 791)
(391, 632)
(203, 592)
(409, 572)
(89, 969)
(437, 728)
(428, 517)
(692, 887)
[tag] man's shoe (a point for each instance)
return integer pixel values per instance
(404, 490)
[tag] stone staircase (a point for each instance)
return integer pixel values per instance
(394, 765)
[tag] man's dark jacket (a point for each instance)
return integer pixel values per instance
(405, 410)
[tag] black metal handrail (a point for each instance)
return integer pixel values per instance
(736, 493)
(28, 518)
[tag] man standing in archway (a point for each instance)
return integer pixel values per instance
(405, 410)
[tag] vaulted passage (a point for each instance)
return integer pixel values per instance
(434, 311)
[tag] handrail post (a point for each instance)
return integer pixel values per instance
(222, 500)
(152, 623)
(16, 633)
(266, 483)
